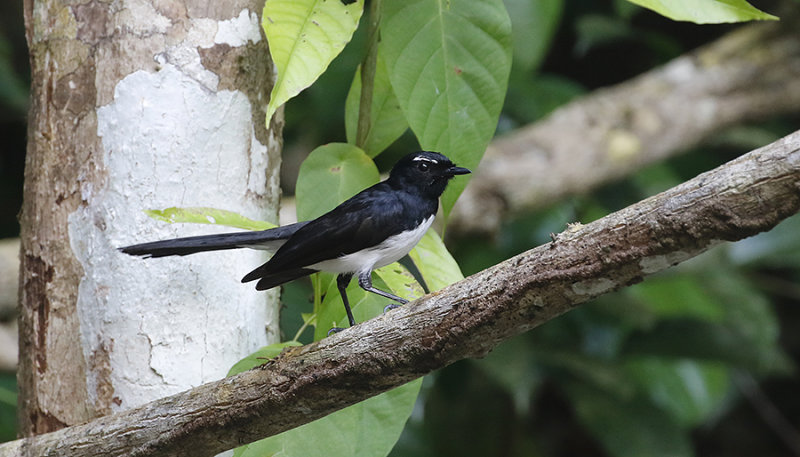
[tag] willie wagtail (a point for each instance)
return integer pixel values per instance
(372, 229)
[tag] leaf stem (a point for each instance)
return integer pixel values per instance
(368, 74)
(303, 328)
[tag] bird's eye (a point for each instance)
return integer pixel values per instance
(422, 166)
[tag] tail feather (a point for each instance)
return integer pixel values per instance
(270, 239)
(270, 280)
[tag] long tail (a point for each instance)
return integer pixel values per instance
(270, 239)
(270, 280)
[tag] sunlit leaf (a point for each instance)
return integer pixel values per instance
(449, 62)
(434, 262)
(705, 11)
(304, 37)
(387, 121)
(201, 215)
(400, 281)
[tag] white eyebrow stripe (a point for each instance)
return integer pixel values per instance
(425, 159)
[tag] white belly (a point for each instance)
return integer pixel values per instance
(390, 250)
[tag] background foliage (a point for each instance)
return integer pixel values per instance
(687, 363)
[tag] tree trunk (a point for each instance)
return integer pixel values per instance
(138, 105)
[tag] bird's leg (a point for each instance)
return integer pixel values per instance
(365, 281)
(341, 283)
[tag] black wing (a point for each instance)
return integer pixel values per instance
(363, 221)
(270, 239)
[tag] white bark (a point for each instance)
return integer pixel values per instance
(147, 105)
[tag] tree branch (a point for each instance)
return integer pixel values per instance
(750, 74)
(739, 199)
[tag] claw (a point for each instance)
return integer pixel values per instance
(390, 307)
(334, 330)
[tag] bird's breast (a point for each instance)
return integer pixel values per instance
(388, 251)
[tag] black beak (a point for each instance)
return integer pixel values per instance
(452, 171)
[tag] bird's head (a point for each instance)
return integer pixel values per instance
(427, 171)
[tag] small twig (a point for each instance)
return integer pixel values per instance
(768, 412)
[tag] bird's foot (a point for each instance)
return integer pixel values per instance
(335, 330)
(391, 307)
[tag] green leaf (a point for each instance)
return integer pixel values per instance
(705, 11)
(630, 427)
(7, 396)
(692, 391)
(679, 296)
(532, 98)
(595, 30)
(514, 367)
(777, 248)
(304, 37)
(449, 62)
(260, 357)
(387, 121)
(367, 429)
(330, 175)
(434, 262)
(400, 281)
(533, 25)
(706, 341)
(202, 215)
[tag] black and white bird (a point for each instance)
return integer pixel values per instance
(372, 229)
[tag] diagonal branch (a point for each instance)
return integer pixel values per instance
(739, 199)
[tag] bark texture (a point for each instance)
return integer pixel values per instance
(81, 53)
(744, 197)
(750, 74)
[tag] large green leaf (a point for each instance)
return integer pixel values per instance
(304, 37)
(705, 11)
(203, 215)
(679, 296)
(387, 121)
(331, 174)
(448, 62)
(692, 391)
(434, 262)
(367, 429)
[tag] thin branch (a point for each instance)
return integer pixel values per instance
(752, 73)
(746, 196)
(769, 412)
